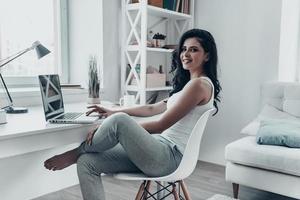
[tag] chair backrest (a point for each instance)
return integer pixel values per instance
(191, 153)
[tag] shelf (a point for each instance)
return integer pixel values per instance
(140, 18)
(135, 88)
(137, 48)
(160, 50)
(160, 12)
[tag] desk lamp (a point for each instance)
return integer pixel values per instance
(41, 52)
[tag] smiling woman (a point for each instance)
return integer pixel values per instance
(22, 23)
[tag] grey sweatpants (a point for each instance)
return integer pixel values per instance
(122, 145)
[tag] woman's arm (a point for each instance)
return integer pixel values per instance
(139, 111)
(146, 110)
(196, 92)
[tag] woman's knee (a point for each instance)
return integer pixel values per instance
(120, 118)
(83, 163)
(93, 163)
(86, 164)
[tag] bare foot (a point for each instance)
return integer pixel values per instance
(62, 161)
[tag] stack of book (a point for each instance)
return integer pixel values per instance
(182, 6)
(157, 3)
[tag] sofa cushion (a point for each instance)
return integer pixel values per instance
(251, 128)
(268, 112)
(284, 96)
(246, 151)
(273, 94)
(291, 102)
(279, 132)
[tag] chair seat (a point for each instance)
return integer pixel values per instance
(131, 176)
(142, 177)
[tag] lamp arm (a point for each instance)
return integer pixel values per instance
(18, 55)
(9, 57)
(5, 87)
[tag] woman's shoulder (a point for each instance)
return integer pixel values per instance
(200, 83)
(201, 86)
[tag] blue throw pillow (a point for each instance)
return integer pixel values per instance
(279, 132)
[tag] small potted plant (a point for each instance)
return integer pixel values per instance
(159, 40)
(94, 81)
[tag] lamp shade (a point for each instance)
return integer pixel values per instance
(41, 51)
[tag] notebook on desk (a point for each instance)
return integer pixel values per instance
(54, 106)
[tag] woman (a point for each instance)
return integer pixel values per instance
(120, 144)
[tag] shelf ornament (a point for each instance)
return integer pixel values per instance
(94, 81)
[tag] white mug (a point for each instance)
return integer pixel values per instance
(2, 116)
(127, 100)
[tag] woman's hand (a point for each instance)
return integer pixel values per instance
(104, 112)
(90, 136)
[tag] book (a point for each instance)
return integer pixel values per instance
(185, 6)
(174, 5)
(178, 5)
(169, 4)
(182, 6)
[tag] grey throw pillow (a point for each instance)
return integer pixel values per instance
(279, 132)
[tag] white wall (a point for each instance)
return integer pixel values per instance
(247, 36)
(85, 39)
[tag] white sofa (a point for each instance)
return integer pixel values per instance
(271, 168)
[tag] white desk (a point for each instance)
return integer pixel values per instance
(26, 141)
(25, 133)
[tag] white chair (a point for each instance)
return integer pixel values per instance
(185, 168)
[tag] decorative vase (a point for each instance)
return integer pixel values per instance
(94, 82)
(91, 100)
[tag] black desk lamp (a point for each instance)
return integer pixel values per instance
(41, 52)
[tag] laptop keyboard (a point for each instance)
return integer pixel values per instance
(69, 116)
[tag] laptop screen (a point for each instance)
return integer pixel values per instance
(51, 95)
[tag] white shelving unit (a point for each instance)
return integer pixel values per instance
(138, 19)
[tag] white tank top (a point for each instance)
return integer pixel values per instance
(179, 133)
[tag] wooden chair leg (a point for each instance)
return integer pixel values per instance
(146, 189)
(140, 191)
(174, 191)
(158, 188)
(185, 191)
(235, 189)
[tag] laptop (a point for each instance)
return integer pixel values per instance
(54, 106)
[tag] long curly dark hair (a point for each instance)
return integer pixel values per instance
(182, 76)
